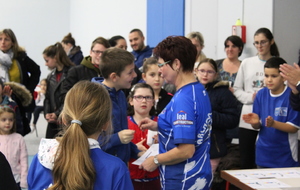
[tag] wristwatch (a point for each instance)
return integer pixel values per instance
(156, 161)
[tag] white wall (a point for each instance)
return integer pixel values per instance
(36, 24)
(202, 16)
(39, 23)
(214, 19)
(286, 29)
(93, 18)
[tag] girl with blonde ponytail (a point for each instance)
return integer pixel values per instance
(75, 160)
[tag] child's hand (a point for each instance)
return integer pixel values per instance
(126, 136)
(269, 121)
(140, 145)
(251, 118)
(7, 91)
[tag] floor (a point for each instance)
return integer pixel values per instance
(33, 141)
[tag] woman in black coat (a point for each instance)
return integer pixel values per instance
(19, 68)
(225, 109)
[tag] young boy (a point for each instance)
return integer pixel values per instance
(277, 144)
(117, 69)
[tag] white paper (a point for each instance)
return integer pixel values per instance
(150, 137)
(265, 183)
(152, 151)
(265, 174)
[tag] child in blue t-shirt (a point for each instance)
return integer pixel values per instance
(277, 143)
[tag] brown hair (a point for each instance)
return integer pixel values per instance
(102, 41)
(130, 110)
(68, 39)
(268, 34)
(138, 31)
(177, 47)
(148, 62)
(114, 60)
(57, 51)
(8, 109)
(73, 167)
(211, 62)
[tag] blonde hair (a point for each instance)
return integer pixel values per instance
(8, 109)
(199, 37)
(90, 104)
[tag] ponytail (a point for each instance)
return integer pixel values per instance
(57, 51)
(83, 117)
(73, 167)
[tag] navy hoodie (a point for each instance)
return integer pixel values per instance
(119, 120)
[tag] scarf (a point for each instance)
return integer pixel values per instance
(5, 64)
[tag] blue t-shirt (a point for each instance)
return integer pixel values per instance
(111, 173)
(187, 120)
(275, 148)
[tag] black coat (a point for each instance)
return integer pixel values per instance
(85, 71)
(7, 180)
(295, 100)
(29, 77)
(52, 103)
(164, 99)
(225, 115)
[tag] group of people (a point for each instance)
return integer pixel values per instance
(101, 108)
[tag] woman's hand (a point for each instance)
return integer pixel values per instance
(148, 164)
(148, 124)
(251, 118)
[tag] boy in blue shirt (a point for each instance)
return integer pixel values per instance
(117, 68)
(277, 144)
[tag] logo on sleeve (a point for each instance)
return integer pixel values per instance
(182, 119)
(281, 111)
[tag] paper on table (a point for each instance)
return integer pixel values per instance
(265, 183)
(152, 151)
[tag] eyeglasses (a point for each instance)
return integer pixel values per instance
(162, 64)
(262, 43)
(203, 72)
(97, 52)
(141, 98)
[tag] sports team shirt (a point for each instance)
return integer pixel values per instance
(275, 148)
(187, 120)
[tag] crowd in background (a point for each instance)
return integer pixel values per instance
(191, 105)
